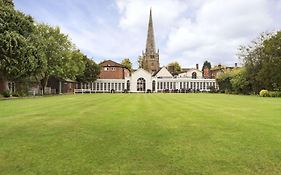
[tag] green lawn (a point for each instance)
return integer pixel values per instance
(146, 134)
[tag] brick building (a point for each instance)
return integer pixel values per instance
(112, 70)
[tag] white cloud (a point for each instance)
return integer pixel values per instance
(188, 31)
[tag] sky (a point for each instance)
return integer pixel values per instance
(186, 31)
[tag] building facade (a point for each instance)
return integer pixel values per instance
(151, 78)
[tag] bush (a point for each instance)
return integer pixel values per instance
(6, 93)
(15, 94)
(274, 94)
(264, 93)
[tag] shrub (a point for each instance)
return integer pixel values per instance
(6, 93)
(274, 94)
(15, 94)
(264, 93)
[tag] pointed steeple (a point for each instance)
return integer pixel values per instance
(150, 61)
(150, 43)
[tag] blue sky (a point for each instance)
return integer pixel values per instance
(187, 31)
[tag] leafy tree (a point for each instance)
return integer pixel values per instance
(270, 72)
(224, 82)
(207, 64)
(262, 62)
(9, 3)
(174, 68)
(19, 56)
(127, 63)
(239, 81)
(62, 61)
(140, 61)
(91, 72)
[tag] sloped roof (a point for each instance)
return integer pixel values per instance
(110, 63)
(163, 72)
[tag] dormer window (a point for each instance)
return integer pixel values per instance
(194, 75)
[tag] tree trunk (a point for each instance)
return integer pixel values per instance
(4, 84)
(44, 82)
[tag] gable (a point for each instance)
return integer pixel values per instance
(110, 63)
(164, 73)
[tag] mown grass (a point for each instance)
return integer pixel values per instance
(141, 134)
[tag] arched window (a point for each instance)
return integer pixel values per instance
(194, 75)
(141, 84)
(128, 85)
(153, 85)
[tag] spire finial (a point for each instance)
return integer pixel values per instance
(150, 43)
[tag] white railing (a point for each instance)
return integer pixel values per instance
(82, 91)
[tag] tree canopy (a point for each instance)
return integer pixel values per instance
(19, 54)
(127, 63)
(262, 61)
(174, 68)
(207, 64)
(91, 71)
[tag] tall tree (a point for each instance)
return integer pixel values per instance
(91, 71)
(140, 61)
(61, 60)
(207, 64)
(19, 56)
(127, 63)
(262, 62)
(174, 68)
(270, 72)
(239, 81)
(9, 3)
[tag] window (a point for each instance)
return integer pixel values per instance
(194, 75)
(113, 68)
(106, 69)
(108, 86)
(141, 84)
(153, 85)
(128, 85)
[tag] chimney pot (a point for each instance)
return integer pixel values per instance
(197, 66)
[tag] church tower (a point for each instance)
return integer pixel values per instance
(150, 60)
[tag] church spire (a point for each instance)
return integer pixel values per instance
(150, 60)
(150, 43)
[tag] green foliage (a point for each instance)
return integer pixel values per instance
(140, 61)
(262, 60)
(264, 93)
(6, 93)
(239, 82)
(127, 63)
(19, 57)
(207, 64)
(91, 72)
(62, 59)
(224, 82)
(8, 3)
(174, 68)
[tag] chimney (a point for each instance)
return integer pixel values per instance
(236, 65)
(197, 66)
